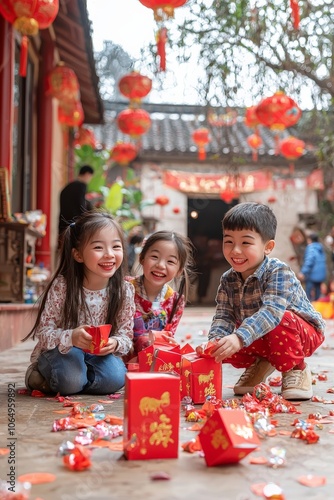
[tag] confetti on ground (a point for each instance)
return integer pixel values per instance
(37, 478)
(312, 481)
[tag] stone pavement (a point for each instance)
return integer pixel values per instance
(111, 477)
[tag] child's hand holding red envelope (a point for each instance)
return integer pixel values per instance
(100, 335)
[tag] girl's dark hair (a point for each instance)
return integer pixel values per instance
(76, 236)
(185, 252)
(252, 216)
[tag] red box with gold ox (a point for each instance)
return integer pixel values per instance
(200, 378)
(227, 437)
(151, 415)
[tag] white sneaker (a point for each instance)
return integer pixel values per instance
(252, 376)
(297, 384)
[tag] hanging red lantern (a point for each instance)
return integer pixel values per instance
(135, 86)
(134, 122)
(123, 153)
(254, 141)
(278, 112)
(163, 9)
(201, 138)
(62, 83)
(162, 200)
(28, 18)
(292, 149)
(71, 115)
(250, 118)
(85, 137)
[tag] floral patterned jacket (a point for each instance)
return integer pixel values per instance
(155, 315)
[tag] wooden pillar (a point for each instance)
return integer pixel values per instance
(7, 58)
(44, 149)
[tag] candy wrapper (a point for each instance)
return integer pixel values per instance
(100, 335)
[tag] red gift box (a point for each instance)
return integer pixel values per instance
(151, 416)
(160, 359)
(200, 378)
(227, 437)
(100, 335)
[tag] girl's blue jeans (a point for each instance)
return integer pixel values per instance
(78, 371)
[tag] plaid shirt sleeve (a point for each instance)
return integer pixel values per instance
(256, 306)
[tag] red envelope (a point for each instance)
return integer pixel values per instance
(100, 336)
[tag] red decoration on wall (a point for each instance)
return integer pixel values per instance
(135, 86)
(62, 83)
(176, 210)
(272, 199)
(85, 137)
(201, 138)
(162, 200)
(123, 153)
(292, 149)
(134, 122)
(27, 18)
(254, 141)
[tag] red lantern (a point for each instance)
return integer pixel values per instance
(162, 200)
(292, 149)
(134, 122)
(277, 113)
(201, 138)
(163, 9)
(250, 118)
(123, 153)
(135, 86)
(27, 18)
(254, 141)
(228, 196)
(71, 115)
(62, 83)
(85, 137)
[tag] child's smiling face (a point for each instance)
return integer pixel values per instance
(245, 250)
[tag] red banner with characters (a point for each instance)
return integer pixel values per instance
(247, 182)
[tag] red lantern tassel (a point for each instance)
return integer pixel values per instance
(295, 13)
(255, 155)
(201, 154)
(291, 168)
(24, 56)
(161, 48)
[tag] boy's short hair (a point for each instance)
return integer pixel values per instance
(86, 169)
(254, 216)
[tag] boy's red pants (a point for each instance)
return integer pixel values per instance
(284, 347)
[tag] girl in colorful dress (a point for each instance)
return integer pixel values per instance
(166, 257)
(87, 289)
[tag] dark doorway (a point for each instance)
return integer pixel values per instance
(205, 231)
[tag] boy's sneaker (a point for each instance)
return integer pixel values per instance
(297, 384)
(254, 375)
(34, 380)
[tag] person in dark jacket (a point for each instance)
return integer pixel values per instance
(73, 198)
(314, 268)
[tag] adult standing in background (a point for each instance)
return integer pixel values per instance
(314, 267)
(73, 198)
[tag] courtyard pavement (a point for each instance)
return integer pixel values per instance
(33, 447)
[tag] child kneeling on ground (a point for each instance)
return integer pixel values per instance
(263, 318)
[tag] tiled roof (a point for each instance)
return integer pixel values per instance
(169, 138)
